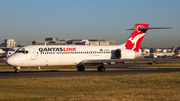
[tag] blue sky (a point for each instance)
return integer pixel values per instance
(28, 20)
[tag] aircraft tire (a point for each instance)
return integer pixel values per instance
(80, 68)
(17, 71)
(101, 68)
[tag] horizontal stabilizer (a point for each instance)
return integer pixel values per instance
(153, 28)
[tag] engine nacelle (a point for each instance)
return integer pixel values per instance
(116, 54)
(125, 54)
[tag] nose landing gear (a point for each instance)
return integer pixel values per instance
(17, 69)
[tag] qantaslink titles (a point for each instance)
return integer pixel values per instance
(57, 49)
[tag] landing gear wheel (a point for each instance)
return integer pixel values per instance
(101, 68)
(80, 68)
(17, 71)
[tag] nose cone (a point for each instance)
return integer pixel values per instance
(11, 61)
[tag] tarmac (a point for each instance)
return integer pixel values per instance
(34, 74)
(125, 71)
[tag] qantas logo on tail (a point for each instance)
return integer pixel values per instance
(134, 41)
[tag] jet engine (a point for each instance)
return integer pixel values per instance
(116, 54)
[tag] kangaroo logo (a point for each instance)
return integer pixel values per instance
(139, 26)
(135, 39)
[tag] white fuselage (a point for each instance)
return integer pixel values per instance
(55, 55)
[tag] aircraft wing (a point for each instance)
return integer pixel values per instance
(116, 60)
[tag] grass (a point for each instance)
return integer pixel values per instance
(120, 87)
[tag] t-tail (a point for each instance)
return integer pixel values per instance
(135, 39)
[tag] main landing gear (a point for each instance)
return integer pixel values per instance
(17, 69)
(80, 68)
(100, 68)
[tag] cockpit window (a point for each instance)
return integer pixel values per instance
(22, 51)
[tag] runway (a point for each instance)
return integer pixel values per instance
(6, 75)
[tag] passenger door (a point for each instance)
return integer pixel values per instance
(33, 53)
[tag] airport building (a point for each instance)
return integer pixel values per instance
(54, 41)
(21, 45)
(9, 43)
(49, 43)
(51, 39)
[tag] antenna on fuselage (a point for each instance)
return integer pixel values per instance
(45, 43)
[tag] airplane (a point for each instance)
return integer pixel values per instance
(81, 55)
(159, 54)
(173, 53)
(4, 55)
(176, 53)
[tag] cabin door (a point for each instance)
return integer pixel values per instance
(33, 54)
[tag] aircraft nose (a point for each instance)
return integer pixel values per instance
(11, 61)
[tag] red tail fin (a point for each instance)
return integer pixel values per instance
(174, 50)
(177, 51)
(134, 41)
(5, 54)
